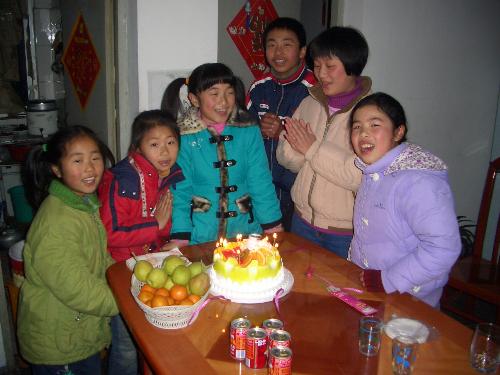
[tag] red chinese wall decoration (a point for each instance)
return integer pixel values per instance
(246, 31)
(81, 61)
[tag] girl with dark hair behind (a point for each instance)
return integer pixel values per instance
(65, 301)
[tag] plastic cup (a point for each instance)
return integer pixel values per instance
(369, 335)
(404, 353)
(484, 349)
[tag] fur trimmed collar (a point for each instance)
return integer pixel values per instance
(191, 122)
(406, 156)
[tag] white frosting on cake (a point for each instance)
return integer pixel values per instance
(224, 283)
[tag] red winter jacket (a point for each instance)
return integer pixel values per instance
(128, 218)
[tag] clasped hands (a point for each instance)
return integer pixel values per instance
(299, 135)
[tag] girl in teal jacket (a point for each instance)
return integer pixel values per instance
(228, 188)
(65, 301)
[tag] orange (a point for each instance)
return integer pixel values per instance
(260, 257)
(193, 298)
(178, 292)
(148, 288)
(162, 292)
(186, 302)
(171, 301)
(245, 259)
(159, 301)
(145, 296)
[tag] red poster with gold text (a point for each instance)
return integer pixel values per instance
(246, 31)
(81, 61)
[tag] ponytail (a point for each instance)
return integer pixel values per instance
(171, 101)
(36, 176)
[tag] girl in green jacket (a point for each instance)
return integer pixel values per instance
(65, 301)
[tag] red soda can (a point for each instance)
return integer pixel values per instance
(278, 337)
(271, 324)
(256, 348)
(280, 361)
(238, 336)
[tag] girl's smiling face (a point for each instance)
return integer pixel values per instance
(160, 146)
(81, 167)
(215, 103)
(330, 73)
(373, 134)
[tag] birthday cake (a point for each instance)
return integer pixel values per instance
(248, 270)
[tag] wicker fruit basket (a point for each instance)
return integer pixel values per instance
(167, 317)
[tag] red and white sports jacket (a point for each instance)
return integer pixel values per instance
(128, 193)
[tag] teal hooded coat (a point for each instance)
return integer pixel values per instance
(65, 300)
(228, 188)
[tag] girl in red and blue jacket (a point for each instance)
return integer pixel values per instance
(136, 200)
(136, 209)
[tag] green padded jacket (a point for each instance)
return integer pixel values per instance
(65, 301)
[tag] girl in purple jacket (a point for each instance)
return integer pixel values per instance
(406, 235)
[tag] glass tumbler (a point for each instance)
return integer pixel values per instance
(484, 349)
(404, 353)
(369, 335)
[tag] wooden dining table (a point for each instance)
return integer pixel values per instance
(324, 329)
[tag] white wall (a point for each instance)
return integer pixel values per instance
(441, 59)
(173, 35)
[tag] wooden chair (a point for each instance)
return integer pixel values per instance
(473, 278)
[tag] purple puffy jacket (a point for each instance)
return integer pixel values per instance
(405, 223)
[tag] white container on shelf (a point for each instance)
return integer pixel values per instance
(41, 117)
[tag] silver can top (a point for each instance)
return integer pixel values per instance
(281, 352)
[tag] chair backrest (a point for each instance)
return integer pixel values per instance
(484, 211)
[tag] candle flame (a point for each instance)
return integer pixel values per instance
(275, 235)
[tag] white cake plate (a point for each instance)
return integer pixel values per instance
(261, 296)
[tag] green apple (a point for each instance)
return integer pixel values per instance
(142, 269)
(169, 284)
(157, 278)
(171, 262)
(196, 268)
(199, 284)
(181, 275)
